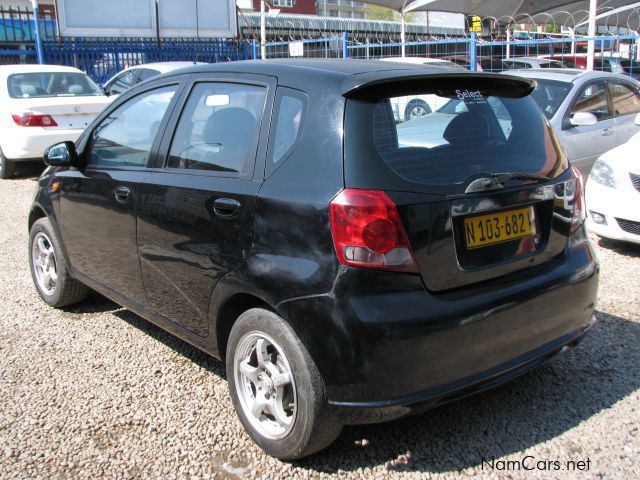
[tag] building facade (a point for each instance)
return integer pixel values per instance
(341, 8)
(300, 7)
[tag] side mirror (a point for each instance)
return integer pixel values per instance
(637, 120)
(583, 119)
(61, 155)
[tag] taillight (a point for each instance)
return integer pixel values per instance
(367, 231)
(579, 210)
(31, 120)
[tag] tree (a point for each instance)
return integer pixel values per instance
(374, 12)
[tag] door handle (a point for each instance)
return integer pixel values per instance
(122, 194)
(226, 208)
(606, 132)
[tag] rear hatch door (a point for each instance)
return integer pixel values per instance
(482, 185)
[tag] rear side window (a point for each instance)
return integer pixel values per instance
(123, 82)
(289, 114)
(146, 74)
(218, 128)
(475, 132)
(625, 99)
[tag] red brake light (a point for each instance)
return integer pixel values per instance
(367, 231)
(31, 120)
(579, 210)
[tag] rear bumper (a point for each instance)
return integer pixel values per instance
(374, 412)
(380, 340)
(29, 143)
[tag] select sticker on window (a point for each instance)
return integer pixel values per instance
(466, 95)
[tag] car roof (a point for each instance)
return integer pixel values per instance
(164, 67)
(9, 69)
(570, 75)
(531, 59)
(312, 67)
(417, 60)
(346, 75)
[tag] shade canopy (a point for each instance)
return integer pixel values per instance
(560, 9)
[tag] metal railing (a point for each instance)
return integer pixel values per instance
(101, 58)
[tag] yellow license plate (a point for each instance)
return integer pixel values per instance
(483, 230)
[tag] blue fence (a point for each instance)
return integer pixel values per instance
(101, 58)
(618, 53)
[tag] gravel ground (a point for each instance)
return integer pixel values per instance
(96, 391)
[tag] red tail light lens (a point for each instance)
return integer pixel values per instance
(579, 210)
(31, 120)
(367, 231)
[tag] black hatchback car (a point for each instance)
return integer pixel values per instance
(346, 267)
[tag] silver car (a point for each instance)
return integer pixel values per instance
(592, 112)
(518, 63)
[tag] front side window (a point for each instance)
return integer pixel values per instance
(51, 84)
(218, 128)
(593, 99)
(125, 137)
(625, 99)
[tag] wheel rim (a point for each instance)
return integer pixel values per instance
(45, 267)
(417, 112)
(265, 385)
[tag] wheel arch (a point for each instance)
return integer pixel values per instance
(36, 213)
(228, 313)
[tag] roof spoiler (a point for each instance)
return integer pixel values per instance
(372, 87)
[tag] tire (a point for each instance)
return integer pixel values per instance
(57, 290)
(7, 167)
(306, 425)
(415, 109)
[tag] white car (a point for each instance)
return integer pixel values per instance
(131, 76)
(43, 105)
(613, 193)
(415, 106)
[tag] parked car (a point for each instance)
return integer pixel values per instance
(592, 112)
(42, 104)
(521, 63)
(272, 216)
(483, 64)
(131, 76)
(428, 61)
(613, 193)
(623, 66)
(412, 106)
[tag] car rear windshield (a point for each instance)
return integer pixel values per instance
(51, 84)
(474, 132)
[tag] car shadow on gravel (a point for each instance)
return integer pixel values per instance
(541, 405)
(626, 249)
(181, 347)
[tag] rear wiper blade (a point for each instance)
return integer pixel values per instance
(506, 176)
(495, 181)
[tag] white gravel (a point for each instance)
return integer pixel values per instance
(96, 391)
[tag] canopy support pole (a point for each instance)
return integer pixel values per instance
(263, 32)
(591, 50)
(508, 53)
(403, 35)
